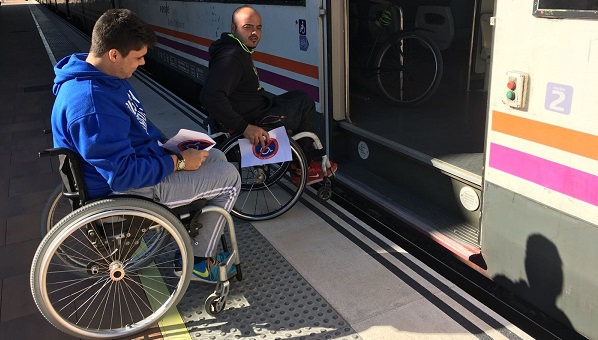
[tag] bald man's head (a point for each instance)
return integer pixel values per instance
(247, 26)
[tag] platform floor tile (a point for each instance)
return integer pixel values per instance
(273, 301)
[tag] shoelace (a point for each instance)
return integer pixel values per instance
(210, 261)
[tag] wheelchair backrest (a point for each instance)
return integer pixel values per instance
(73, 182)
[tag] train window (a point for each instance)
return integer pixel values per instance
(254, 2)
(575, 9)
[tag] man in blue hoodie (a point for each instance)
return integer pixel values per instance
(98, 115)
(232, 93)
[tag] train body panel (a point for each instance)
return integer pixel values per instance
(82, 13)
(543, 256)
(558, 129)
(284, 61)
(540, 203)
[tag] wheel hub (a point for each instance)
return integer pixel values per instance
(117, 272)
(260, 176)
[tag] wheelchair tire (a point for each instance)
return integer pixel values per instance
(215, 304)
(239, 275)
(267, 191)
(117, 296)
(57, 207)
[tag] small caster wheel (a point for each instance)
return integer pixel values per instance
(214, 304)
(325, 193)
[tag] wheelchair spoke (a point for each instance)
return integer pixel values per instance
(107, 268)
(263, 194)
(91, 298)
(104, 300)
(139, 300)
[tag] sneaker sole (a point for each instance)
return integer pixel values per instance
(199, 279)
(310, 181)
(314, 181)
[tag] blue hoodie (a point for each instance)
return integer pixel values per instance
(100, 117)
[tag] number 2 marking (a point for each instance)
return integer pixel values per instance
(559, 98)
(554, 105)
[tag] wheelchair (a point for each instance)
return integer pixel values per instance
(105, 268)
(268, 191)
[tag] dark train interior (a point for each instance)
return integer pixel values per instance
(433, 149)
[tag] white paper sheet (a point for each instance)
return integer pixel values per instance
(277, 150)
(186, 139)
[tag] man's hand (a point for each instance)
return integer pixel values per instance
(194, 158)
(256, 134)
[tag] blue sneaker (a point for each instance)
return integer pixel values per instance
(207, 270)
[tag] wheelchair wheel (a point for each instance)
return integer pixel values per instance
(267, 191)
(113, 286)
(215, 304)
(58, 206)
(408, 69)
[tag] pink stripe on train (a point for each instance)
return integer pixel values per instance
(568, 181)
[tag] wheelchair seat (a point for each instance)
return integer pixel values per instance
(75, 189)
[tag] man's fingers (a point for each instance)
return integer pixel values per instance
(260, 141)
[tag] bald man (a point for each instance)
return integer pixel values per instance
(233, 96)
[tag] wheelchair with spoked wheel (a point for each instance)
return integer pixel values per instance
(267, 191)
(105, 269)
(270, 190)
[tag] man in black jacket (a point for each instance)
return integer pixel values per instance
(232, 93)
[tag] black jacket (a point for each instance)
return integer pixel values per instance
(232, 93)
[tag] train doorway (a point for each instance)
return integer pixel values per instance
(423, 162)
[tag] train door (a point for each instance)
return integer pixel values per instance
(421, 161)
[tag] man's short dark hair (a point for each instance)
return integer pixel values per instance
(122, 30)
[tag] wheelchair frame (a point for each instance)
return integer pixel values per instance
(113, 246)
(266, 190)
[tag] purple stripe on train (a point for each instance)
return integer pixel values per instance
(280, 81)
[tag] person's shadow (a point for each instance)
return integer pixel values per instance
(544, 284)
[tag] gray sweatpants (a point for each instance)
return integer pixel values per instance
(216, 180)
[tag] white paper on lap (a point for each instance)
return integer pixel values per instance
(189, 139)
(277, 150)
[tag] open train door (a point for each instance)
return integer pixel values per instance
(418, 161)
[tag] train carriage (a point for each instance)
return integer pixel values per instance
(497, 162)
(284, 61)
(539, 212)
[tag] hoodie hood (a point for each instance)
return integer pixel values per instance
(75, 67)
(101, 118)
(227, 41)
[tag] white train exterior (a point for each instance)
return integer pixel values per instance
(284, 61)
(540, 203)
